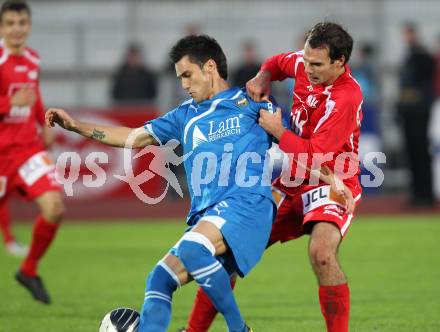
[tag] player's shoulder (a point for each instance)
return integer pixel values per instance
(347, 89)
(186, 104)
(32, 55)
(32, 52)
(183, 110)
(294, 55)
(3, 54)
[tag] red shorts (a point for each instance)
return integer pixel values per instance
(297, 213)
(31, 177)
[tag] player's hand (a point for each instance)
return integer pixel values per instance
(258, 88)
(272, 123)
(60, 117)
(24, 97)
(339, 192)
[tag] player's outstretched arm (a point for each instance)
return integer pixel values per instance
(114, 136)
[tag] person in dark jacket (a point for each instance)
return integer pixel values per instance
(416, 98)
(134, 82)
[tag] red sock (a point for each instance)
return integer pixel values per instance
(5, 224)
(335, 306)
(43, 235)
(203, 312)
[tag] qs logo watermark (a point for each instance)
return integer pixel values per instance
(208, 170)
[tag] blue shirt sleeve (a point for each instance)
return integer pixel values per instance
(166, 127)
(270, 105)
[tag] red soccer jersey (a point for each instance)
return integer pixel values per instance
(19, 126)
(324, 119)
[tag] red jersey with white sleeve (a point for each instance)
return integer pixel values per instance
(24, 163)
(20, 132)
(324, 119)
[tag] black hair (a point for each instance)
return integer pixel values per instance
(332, 36)
(14, 5)
(200, 49)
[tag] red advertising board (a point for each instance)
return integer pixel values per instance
(101, 167)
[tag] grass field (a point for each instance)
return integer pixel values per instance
(393, 265)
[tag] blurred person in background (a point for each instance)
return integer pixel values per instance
(437, 69)
(134, 82)
(25, 165)
(365, 72)
(414, 106)
(249, 66)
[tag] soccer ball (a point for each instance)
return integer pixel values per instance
(120, 320)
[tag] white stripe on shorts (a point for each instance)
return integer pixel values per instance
(347, 223)
(216, 220)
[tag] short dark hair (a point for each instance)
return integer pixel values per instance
(16, 6)
(333, 36)
(200, 49)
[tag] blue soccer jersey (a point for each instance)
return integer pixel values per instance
(226, 146)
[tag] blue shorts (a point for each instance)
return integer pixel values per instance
(245, 222)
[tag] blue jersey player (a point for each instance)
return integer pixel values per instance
(231, 203)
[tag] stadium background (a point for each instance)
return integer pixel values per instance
(82, 42)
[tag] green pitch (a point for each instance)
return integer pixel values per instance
(393, 265)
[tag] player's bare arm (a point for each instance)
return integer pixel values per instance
(115, 136)
(258, 88)
(339, 191)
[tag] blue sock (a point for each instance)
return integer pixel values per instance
(156, 311)
(196, 253)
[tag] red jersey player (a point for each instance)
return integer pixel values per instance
(325, 121)
(24, 163)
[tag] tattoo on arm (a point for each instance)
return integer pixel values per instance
(98, 134)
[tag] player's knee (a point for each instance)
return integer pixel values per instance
(321, 255)
(54, 211)
(162, 279)
(188, 251)
(192, 247)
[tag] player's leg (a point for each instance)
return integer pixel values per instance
(44, 231)
(7, 184)
(5, 222)
(197, 252)
(13, 246)
(334, 294)
(326, 221)
(194, 252)
(203, 312)
(168, 275)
